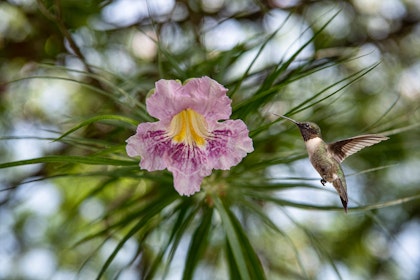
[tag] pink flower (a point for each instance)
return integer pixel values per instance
(188, 139)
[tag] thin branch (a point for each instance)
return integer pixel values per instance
(56, 17)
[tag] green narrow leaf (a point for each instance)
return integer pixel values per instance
(69, 159)
(155, 207)
(266, 220)
(233, 239)
(246, 259)
(97, 119)
(253, 262)
(185, 216)
(350, 79)
(317, 245)
(260, 50)
(233, 268)
(270, 85)
(198, 243)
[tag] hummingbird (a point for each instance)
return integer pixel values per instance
(326, 157)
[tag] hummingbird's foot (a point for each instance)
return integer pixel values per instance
(323, 182)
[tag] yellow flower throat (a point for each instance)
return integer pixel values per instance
(189, 127)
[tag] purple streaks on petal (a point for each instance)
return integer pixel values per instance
(157, 151)
(150, 143)
(230, 144)
(189, 166)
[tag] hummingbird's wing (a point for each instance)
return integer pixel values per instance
(344, 148)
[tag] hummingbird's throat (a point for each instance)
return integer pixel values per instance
(312, 144)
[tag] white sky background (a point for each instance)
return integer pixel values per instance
(44, 199)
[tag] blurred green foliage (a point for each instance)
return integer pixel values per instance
(74, 79)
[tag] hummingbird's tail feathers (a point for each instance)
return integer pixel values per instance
(340, 187)
(344, 204)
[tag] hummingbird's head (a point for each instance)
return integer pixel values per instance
(308, 130)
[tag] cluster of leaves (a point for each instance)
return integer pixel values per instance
(244, 224)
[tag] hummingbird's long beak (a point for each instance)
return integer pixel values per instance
(287, 118)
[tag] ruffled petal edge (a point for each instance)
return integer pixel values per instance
(204, 95)
(230, 144)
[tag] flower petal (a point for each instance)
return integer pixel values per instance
(187, 184)
(208, 98)
(164, 103)
(189, 166)
(229, 145)
(203, 95)
(151, 143)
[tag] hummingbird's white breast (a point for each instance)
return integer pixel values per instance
(312, 144)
